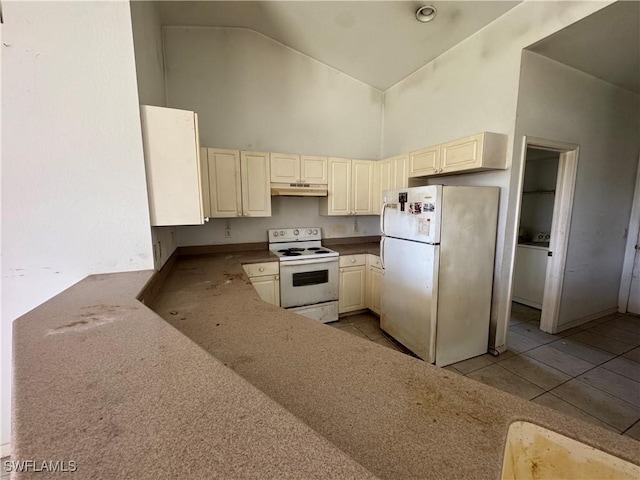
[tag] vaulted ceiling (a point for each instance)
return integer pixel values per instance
(377, 42)
(381, 42)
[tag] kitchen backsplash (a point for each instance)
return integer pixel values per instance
(286, 212)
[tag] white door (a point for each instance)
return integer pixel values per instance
(285, 168)
(313, 169)
(633, 305)
(410, 293)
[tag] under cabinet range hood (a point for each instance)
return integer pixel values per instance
(298, 190)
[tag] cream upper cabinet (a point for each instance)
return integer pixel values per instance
(425, 161)
(350, 187)
(393, 175)
(239, 183)
(256, 184)
(225, 190)
(291, 168)
(484, 151)
(401, 177)
(362, 187)
(285, 168)
(172, 163)
(313, 169)
(478, 152)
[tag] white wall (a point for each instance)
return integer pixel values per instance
(149, 54)
(74, 198)
(559, 103)
(287, 212)
(472, 88)
(253, 93)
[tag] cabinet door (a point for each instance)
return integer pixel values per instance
(375, 281)
(206, 191)
(463, 154)
(285, 168)
(376, 189)
(424, 162)
(352, 293)
(224, 183)
(313, 170)
(401, 173)
(339, 197)
(387, 176)
(268, 287)
(362, 187)
(172, 162)
(256, 184)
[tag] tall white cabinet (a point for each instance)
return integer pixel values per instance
(172, 162)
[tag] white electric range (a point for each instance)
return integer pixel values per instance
(308, 272)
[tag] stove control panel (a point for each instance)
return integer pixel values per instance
(300, 234)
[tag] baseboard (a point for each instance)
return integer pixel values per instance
(588, 318)
(5, 450)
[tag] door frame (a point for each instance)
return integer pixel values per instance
(560, 226)
(630, 249)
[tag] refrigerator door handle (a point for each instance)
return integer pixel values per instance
(382, 253)
(384, 206)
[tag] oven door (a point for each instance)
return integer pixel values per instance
(307, 282)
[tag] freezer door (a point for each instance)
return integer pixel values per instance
(409, 294)
(412, 213)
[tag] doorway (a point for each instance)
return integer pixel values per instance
(547, 186)
(629, 298)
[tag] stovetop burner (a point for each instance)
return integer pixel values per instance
(299, 244)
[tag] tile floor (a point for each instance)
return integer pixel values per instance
(591, 372)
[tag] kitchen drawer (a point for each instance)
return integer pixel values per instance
(260, 269)
(374, 261)
(353, 260)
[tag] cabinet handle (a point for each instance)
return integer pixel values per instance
(261, 269)
(277, 277)
(353, 260)
(239, 214)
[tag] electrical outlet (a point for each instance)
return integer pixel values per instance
(227, 233)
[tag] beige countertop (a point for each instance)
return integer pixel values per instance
(393, 414)
(102, 380)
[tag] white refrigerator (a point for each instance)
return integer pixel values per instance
(437, 251)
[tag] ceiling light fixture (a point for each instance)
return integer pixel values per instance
(426, 14)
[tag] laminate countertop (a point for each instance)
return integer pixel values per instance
(227, 386)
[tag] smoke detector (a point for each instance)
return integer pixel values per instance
(426, 13)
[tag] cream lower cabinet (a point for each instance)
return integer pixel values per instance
(265, 278)
(374, 283)
(350, 188)
(352, 294)
(239, 183)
